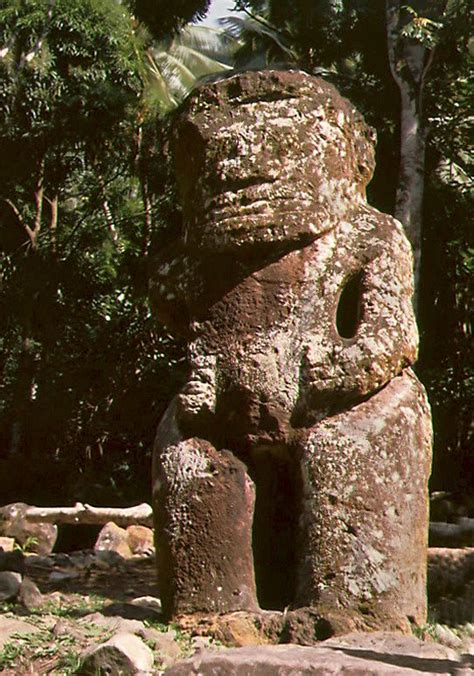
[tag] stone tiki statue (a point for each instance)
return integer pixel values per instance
(292, 468)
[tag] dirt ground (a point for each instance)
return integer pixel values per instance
(122, 582)
(79, 591)
(61, 633)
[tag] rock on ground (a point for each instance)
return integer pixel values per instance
(7, 544)
(10, 583)
(133, 540)
(29, 595)
(140, 539)
(123, 654)
(113, 538)
(41, 537)
(359, 654)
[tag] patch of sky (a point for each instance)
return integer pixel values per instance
(217, 10)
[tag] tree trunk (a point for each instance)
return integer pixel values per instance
(411, 180)
(409, 63)
(142, 168)
(107, 211)
(80, 513)
(23, 395)
(53, 223)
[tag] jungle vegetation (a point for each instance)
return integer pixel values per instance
(87, 197)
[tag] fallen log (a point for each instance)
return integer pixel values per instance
(87, 514)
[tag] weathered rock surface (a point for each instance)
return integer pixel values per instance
(269, 158)
(29, 596)
(14, 585)
(115, 623)
(449, 507)
(40, 537)
(13, 560)
(151, 603)
(10, 583)
(365, 511)
(132, 611)
(165, 645)
(7, 544)
(140, 539)
(449, 570)
(458, 534)
(295, 298)
(451, 584)
(122, 654)
(212, 565)
(394, 646)
(302, 626)
(133, 540)
(358, 654)
(114, 539)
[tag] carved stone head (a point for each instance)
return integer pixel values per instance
(269, 157)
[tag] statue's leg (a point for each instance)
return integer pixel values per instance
(203, 502)
(364, 519)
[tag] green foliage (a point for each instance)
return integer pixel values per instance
(63, 650)
(162, 17)
(29, 545)
(69, 663)
(260, 44)
(311, 29)
(68, 73)
(177, 63)
(85, 369)
(10, 652)
(421, 28)
(73, 607)
(425, 632)
(446, 361)
(39, 642)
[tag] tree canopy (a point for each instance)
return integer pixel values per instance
(79, 348)
(162, 17)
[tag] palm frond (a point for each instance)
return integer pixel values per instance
(248, 28)
(210, 41)
(176, 64)
(198, 63)
(157, 93)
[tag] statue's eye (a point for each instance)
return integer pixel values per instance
(348, 312)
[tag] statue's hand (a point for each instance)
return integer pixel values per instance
(198, 396)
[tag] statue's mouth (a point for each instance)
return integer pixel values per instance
(250, 211)
(258, 195)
